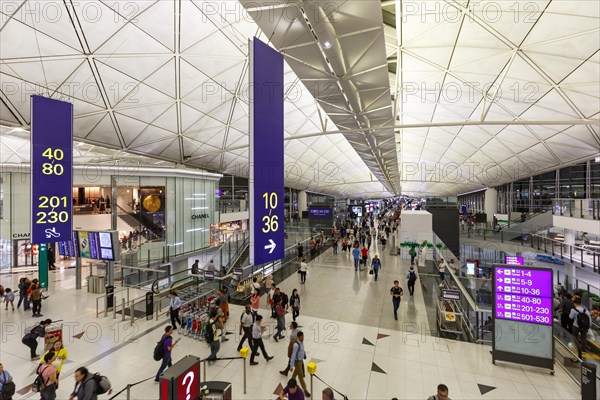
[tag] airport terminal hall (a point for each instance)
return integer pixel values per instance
(299, 199)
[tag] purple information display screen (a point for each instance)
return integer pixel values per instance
(523, 294)
(511, 260)
(51, 170)
(266, 154)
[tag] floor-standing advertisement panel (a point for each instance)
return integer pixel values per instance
(266, 154)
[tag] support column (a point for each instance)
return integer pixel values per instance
(491, 204)
(302, 202)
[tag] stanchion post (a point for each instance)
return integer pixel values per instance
(128, 392)
(114, 309)
(204, 371)
(123, 309)
(312, 369)
(131, 308)
(244, 354)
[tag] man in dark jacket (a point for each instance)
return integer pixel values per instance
(85, 385)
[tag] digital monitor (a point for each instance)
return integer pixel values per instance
(106, 254)
(471, 267)
(512, 260)
(105, 239)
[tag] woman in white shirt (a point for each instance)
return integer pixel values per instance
(303, 271)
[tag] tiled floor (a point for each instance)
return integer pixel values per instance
(349, 332)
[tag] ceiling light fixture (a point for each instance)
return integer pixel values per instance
(597, 159)
(326, 44)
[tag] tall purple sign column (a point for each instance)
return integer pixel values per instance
(51, 174)
(266, 154)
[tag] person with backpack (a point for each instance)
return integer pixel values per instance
(31, 336)
(246, 322)
(7, 386)
(293, 337)
(411, 277)
(257, 342)
(167, 344)
(297, 362)
(46, 381)
(413, 254)
(212, 333)
(375, 266)
(582, 320)
(88, 386)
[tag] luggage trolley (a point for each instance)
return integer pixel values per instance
(54, 333)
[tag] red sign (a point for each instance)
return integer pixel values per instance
(188, 384)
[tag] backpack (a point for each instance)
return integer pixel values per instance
(8, 388)
(102, 383)
(39, 383)
(284, 300)
(291, 348)
(159, 350)
(583, 321)
(209, 334)
(412, 277)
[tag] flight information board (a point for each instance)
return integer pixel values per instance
(512, 260)
(101, 245)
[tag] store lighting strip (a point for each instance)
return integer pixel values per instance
(197, 229)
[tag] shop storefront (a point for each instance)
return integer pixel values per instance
(158, 207)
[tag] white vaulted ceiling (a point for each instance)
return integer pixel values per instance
(457, 65)
(165, 79)
(478, 93)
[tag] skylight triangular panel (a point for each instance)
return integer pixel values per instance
(99, 22)
(45, 46)
(104, 133)
(517, 138)
(213, 66)
(551, 107)
(587, 104)
(195, 26)
(145, 113)
(46, 73)
(158, 21)
(21, 103)
(212, 137)
(150, 135)
(214, 45)
(139, 67)
(130, 128)
(82, 85)
(571, 150)
(167, 120)
(581, 134)
(436, 54)
(236, 138)
(196, 85)
(555, 24)
(557, 67)
(202, 122)
(83, 126)
(153, 148)
(132, 40)
(6, 115)
(497, 150)
(172, 151)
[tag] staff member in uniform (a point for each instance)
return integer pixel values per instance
(174, 307)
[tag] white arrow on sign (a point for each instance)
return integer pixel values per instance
(271, 246)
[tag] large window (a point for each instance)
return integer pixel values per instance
(572, 182)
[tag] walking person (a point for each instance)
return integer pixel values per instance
(174, 307)
(7, 386)
(300, 250)
(31, 336)
(411, 278)
(254, 302)
(413, 254)
(48, 372)
(275, 295)
(168, 344)
(257, 342)
(292, 391)
(85, 385)
(334, 245)
(293, 337)
(224, 297)
(375, 266)
(297, 361)
(211, 335)
(364, 252)
(61, 356)
(397, 293)
(246, 322)
(280, 313)
(582, 320)
(356, 256)
(295, 304)
(566, 305)
(303, 271)
(9, 298)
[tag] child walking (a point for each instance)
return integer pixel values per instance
(9, 297)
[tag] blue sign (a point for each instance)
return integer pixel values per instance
(319, 212)
(266, 154)
(51, 170)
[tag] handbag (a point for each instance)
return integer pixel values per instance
(371, 271)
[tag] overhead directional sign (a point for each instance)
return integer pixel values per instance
(266, 154)
(51, 170)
